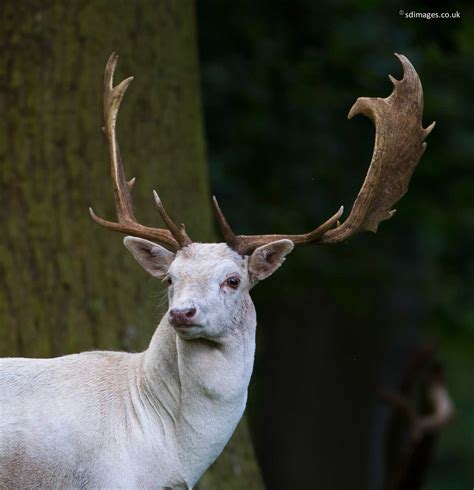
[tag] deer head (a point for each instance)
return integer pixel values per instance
(209, 283)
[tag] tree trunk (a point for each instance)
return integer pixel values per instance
(67, 285)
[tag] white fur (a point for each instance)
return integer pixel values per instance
(155, 419)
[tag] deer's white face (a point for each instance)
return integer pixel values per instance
(209, 283)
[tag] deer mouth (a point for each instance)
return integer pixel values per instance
(186, 326)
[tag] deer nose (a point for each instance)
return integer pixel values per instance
(181, 316)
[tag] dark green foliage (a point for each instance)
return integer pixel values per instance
(279, 79)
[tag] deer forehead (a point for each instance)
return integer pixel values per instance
(206, 261)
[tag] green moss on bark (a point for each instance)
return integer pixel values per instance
(67, 285)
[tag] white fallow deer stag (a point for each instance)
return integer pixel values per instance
(159, 418)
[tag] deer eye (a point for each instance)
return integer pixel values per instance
(169, 280)
(233, 282)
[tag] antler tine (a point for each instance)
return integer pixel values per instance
(127, 222)
(229, 236)
(398, 148)
(179, 234)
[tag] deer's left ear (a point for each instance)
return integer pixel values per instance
(266, 259)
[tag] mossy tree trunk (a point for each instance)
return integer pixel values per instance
(67, 285)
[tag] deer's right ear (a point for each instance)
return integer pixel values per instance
(154, 258)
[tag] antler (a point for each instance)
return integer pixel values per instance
(398, 148)
(127, 223)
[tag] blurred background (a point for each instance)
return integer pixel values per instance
(337, 324)
(248, 100)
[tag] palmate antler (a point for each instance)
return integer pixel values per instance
(398, 148)
(173, 237)
(399, 137)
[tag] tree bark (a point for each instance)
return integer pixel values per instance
(67, 285)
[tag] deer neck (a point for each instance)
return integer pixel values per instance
(198, 389)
